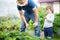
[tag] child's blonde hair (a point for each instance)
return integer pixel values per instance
(51, 8)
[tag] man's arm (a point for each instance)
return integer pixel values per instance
(22, 16)
(36, 14)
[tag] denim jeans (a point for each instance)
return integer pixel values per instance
(48, 32)
(32, 17)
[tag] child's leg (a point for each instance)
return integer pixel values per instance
(45, 32)
(50, 33)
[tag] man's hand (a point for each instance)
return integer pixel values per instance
(35, 24)
(27, 26)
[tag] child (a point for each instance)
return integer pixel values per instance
(48, 24)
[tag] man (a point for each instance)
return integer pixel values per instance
(30, 12)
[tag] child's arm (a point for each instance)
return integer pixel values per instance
(50, 18)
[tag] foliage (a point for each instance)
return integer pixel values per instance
(9, 27)
(9, 30)
(42, 13)
(57, 23)
(9, 23)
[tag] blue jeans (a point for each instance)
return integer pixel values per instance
(48, 32)
(28, 17)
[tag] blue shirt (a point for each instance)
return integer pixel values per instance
(28, 8)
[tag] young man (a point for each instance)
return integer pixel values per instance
(30, 12)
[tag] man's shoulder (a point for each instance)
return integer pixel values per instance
(30, 1)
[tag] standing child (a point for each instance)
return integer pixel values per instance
(48, 24)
